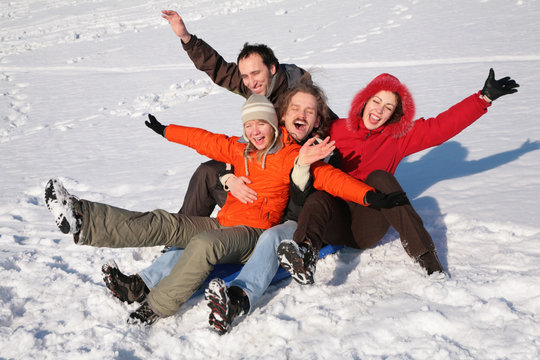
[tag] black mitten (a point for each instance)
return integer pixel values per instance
(494, 89)
(385, 201)
(155, 125)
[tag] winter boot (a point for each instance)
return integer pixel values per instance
(430, 263)
(62, 205)
(144, 315)
(225, 303)
(126, 288)
(299, 260)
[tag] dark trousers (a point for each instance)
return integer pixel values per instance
(204, 191)
(325, 219)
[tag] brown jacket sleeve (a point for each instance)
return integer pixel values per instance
(222, 73)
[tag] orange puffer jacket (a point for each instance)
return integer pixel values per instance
(270, 183)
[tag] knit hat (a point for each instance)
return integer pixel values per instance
(258, 107)
(389, 83)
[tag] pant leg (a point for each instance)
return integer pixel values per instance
(109, 226)
(258, 272)
(370, 224)
(324, 219)
(204, 191)
(161, 267)
(203, 251)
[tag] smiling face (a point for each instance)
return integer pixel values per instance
(379, 108)
(255, 74)
(259, 133)
(301, 116)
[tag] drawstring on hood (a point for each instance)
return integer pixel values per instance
(384, 82)
(258, 107)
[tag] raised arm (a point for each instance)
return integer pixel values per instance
(177, 25)
(215, 146)
(435, 131)
(206, 58)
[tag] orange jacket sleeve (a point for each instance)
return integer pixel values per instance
(215, 146)
(338, 183)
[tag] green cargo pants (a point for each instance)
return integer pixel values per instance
(204, 240)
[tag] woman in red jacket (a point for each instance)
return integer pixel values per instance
(372, 141)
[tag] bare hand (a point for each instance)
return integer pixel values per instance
(238, 188)
(177, 24)
(310, 153)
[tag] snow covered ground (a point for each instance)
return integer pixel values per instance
(76, 80)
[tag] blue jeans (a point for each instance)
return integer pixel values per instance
(255, 275)
(261, 267)
(161, 267)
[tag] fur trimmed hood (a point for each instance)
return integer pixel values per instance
(389, 83)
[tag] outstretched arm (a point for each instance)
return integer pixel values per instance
(177, 25)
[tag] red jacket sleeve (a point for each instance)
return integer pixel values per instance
(435, 131)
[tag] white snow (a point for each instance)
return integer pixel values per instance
(77, 80)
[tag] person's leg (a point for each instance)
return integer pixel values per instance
(108, 226)
(369, 225)
(324, 219)
(203, 251)
(257, 273)
(204, 191)
(161, 267)
(414, 237)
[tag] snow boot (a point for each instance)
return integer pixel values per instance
(299, 260)
(62, 205)
(430, 263)
(226, 304)
(129, 289)
(144, 315)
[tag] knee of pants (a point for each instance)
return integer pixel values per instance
(205, 248)
(319, 200)
(206, 170)
(269, 241)
(383, 181)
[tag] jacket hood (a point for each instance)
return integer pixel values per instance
(389, 83)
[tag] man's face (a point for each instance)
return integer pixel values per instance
(301, 116)
(255, 74)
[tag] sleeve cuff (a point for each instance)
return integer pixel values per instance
(300, 175)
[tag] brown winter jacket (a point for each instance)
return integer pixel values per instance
(270, 183)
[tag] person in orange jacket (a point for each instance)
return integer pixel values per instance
(263, 153)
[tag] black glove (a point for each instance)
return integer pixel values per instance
(386, 201)
(155, 125)
(494, 89)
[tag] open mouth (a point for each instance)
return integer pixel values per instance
(300, 125)
(374, 119)
(258, 141)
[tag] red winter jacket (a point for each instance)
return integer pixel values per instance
(364, 151)
(270, 183)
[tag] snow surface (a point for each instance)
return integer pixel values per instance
(78, 77)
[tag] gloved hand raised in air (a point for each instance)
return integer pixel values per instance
(494, 89)
(385, 201)
(155, 125)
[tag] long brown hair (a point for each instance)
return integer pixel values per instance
(308, 87)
